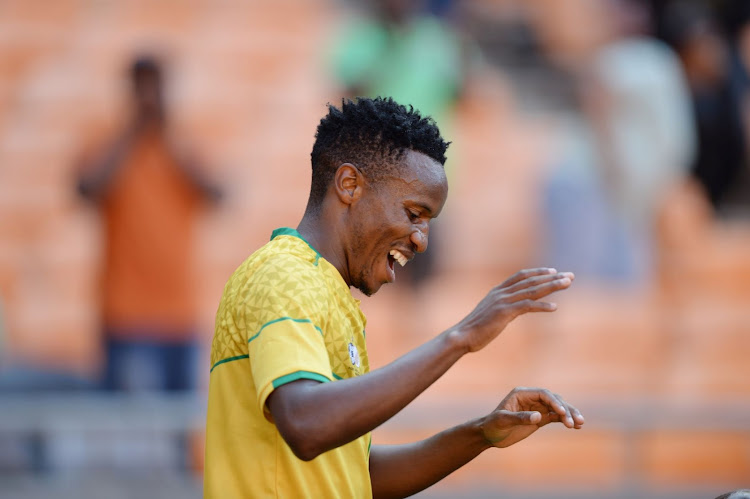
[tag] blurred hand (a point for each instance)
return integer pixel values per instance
(516, 296)
(523, 412)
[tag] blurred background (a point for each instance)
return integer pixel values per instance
(148, 147)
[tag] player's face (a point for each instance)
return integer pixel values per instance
(393, 221)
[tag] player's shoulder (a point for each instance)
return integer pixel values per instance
(281, 279)
(288, 255)
(283, 261)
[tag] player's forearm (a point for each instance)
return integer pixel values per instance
(314, 418)
(403, 470)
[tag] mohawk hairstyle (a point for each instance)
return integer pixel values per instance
(371, 134)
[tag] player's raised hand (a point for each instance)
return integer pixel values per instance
(518, 295)
(523, 411)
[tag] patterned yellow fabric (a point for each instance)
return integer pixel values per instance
(286, 314)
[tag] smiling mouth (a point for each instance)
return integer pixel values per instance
(391, 270)
(396, 255)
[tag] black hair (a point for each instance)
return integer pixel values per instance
(683, 20)
(371, 134)
(145, 65)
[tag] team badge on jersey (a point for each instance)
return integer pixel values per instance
(354, 354)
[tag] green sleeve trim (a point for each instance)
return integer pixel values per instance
(229, 359)
(283, 319)
(288, 378)
(336, 376)
(287, 231)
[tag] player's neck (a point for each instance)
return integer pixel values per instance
(322, 234)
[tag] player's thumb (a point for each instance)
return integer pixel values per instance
(528, 417)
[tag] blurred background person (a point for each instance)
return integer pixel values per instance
(691, 28)
(736, 19)
(411, 51)
(638, 140)
(148, 194)
(402, 50)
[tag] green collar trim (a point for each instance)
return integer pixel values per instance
(287, 231)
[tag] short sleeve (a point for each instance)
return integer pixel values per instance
(285, 350)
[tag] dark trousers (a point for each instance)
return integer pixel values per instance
(142, 365)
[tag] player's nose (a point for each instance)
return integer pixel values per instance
(419, 238)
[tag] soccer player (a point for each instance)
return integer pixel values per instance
(291, 399)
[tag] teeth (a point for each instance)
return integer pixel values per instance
(399, 257)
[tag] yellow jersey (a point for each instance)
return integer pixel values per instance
(286, 314)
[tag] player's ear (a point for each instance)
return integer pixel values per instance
(348, 182)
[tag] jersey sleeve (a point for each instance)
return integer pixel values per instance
(285, 340)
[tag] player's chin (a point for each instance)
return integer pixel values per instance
(369, 289)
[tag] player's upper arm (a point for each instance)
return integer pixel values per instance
(284, 404)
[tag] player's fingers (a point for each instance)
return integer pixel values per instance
(549, 417)
(536, 280)
(577, 417)
(557, 405)
(523, 274)
(573, 419)
(526, 306)
(540, 290)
